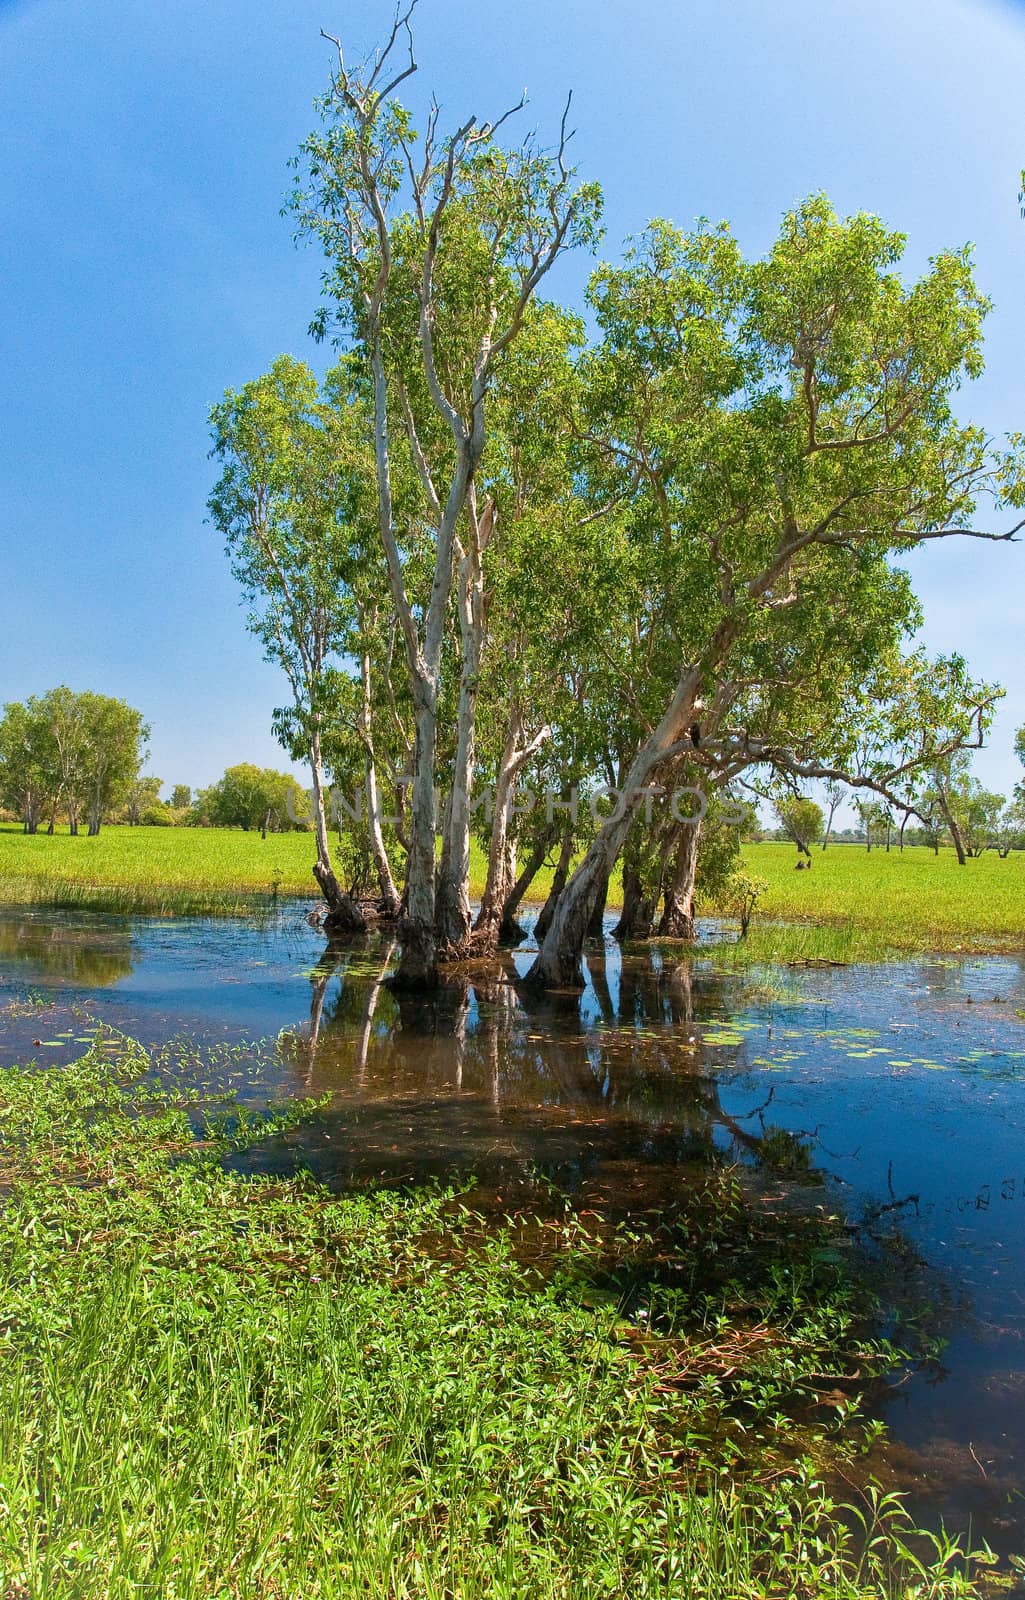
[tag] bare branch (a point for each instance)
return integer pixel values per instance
(489, 129)
(401, 22)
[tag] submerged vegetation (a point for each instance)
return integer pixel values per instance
(219, 1385)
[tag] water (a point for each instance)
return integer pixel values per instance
(906, 1082)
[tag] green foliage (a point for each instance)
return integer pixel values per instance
(801, 819)
(250, 797)
(69, 753)
(740, 895)
(296, 505)
(142, 796)
(158, 816)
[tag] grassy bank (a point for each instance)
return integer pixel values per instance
(853, 905)
(163, 871)
(213, 1386)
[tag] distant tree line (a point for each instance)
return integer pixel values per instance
(71, 756)
(950, 805)
(77, 759)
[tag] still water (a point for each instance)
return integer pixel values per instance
(906, 1082)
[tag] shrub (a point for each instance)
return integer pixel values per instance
(158, 816)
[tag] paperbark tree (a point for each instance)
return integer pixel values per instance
(436, 247)
(294, 503)
(677, 921)
(789, 432)
(834, 795)
(26, 761)
(114, 743)
(76, 752)
(801, 820)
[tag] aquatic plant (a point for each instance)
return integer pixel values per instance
(214, 1385)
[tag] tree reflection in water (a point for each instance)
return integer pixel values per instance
(86, 952)
(613, 1088)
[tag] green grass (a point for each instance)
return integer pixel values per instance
(170, 871)
(221, 1388)
(869, 903)
(158, 870)
(853, 905)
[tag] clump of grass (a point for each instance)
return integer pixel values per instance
(26, 1005)
(214, 1386)
(776, 945)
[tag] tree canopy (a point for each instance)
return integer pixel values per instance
(74, 755)
(505, 552)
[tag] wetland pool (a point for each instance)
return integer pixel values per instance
(903, 1085)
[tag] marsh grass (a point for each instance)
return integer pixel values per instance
(905, 901)
(779, 946)
(221, 1386)
(853, 906)
(170, 871)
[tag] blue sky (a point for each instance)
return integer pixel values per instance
(144, 267)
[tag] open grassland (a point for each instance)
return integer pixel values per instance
(170, 871)
(853, 904)
(157, 870)
(215, 1387)
(857, 904)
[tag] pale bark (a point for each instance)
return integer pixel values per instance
(832, 808)
(677, 921)
(366, 217)
(452, 910)
(385, 880)
(418, 965)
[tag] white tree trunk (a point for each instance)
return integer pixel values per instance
(452, 909)
(386, 883)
